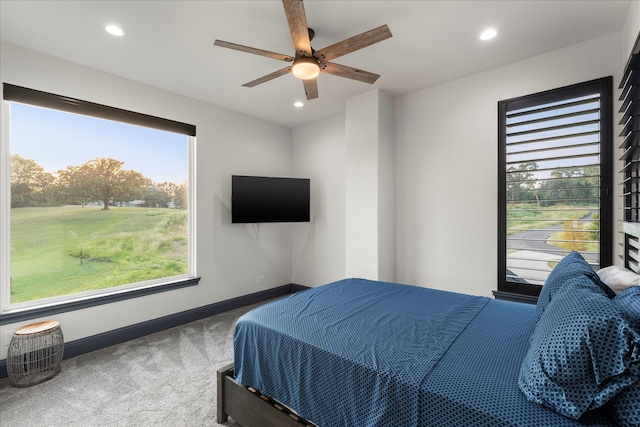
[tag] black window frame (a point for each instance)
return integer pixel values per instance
(513, 290)
(630, 134)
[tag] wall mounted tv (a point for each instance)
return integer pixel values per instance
(267, 199)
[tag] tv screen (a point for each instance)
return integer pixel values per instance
(265, 199)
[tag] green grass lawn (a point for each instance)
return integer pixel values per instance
(118, 246)
(522, 218)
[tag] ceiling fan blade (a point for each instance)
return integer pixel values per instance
(354, 43)
(350, 73)
(253, 50)
(294, 9)
(311, 88)
(268, 77)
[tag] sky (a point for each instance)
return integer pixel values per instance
(56, 139)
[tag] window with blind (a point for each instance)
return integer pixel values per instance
(555, 183)
(630, 120)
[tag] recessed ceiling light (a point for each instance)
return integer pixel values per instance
(488, 34)
(298, 104)
(115, 30)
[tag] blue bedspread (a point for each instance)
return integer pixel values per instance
(365, 353)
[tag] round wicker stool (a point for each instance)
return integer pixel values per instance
(35, 353)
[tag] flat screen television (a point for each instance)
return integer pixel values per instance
(268, 199)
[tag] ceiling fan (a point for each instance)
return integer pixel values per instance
(308, 63)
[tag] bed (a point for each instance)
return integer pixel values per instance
(367, 353)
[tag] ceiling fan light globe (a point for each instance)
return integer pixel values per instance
(305, 69)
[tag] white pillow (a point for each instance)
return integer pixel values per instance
(618, 278)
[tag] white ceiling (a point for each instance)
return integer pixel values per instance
(169, 44)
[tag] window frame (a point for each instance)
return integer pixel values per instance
(604, 86)
(71, 105)
(630, 134)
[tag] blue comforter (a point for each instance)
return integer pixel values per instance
(365, 353)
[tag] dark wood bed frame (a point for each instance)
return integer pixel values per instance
(249, 407)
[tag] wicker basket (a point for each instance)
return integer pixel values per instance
(35, 353)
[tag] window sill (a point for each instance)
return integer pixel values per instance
(36, 312)
(514, 297)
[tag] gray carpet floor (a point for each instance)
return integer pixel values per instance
(164, 379)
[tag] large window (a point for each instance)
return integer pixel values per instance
(99, 200)
(555, 183)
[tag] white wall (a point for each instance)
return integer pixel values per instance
(630, 30)
(446, 142)
(361, 213)
(229, 257)
(350, 161)
(386, 191)
(369, 186)
(319, 246)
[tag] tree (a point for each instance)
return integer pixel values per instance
(160, 195)
(72, 186)
(101, 179)
(521, 183)
(572, 185)
(104, 179)
(181, 196)
(30, 183)
(573, 236)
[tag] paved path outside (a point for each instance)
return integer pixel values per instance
(532, 258)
